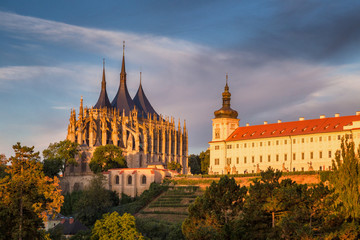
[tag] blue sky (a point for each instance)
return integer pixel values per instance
(285, 59)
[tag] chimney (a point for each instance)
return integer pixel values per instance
(337, 114)
(301, 119)
(71, 220)
(357, 113)
(247, 124)
(279, 121)
(265, 122)
(322, 116)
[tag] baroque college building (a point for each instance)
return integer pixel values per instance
(144, 136)
(302, 145)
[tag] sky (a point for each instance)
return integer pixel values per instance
(285, 60)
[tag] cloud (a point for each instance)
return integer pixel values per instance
(180, 78)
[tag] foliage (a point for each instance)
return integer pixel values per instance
(174, 166)
(114, 226)
(58, 156)
(81, 235)
(211, 214)
(346, 178)
(194, 164)
(107, 157)
(70, 200)
(94, 201)
(145, 198)
(157, 229)
(205, 161)
(26, 196)
(3, 161)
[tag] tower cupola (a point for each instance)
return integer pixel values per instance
(226, 111)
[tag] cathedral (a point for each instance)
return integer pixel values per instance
(144, 136)
(303, 145)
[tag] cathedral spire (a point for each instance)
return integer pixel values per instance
(142, 103)
(122, 100)
(103, 101)
(226, 111)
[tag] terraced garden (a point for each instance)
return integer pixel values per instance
(172, 205)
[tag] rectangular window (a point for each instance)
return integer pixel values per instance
(294, 141)
(252, 159)
(302, 169)
(329, 154)
(285, 141)
(244, 145)
(320, 154)
(285, 157)
(311, 139)
(217, 147)
(217, 133)
(269, 158)
(244, 159)
(228, 160)
(237, 145)
(320, 139)
(269, 143)
(277, 157)
(228, 146)
(260, 158)
(339, 137)
(253, 144)
(260, 144)
(302, 156)
(237, 160)
(294, 156)
(302, 140)
(277, 142)
(329, 138)
(216, 161)
(311, 155)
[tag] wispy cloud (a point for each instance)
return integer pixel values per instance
(180, 78)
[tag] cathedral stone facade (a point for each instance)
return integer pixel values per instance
(144, 136)
(302, 145)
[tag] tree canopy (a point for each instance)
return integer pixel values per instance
(27, 196)
(205, 161)
(114, 226)
(58, 156)
(174, 166)
(107, 157)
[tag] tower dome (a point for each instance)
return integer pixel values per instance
(226, 111)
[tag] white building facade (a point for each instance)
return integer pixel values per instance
(302, 145)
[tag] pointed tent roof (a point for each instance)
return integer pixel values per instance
(122, 100)
(142, 103)
(103, 100)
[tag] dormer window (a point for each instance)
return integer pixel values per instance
(253, 133)
(304, 129)
(313, 128)
(293, 130)
(336, 125)
(263, 133)
(326, 127)
(282, 131)
(244, 135)
(273, 132)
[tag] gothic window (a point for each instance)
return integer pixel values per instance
(129, 180)
(117, 179)
(143, 179)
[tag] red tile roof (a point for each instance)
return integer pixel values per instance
(312, 126)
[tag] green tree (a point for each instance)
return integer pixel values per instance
(205, 161)
(58, 156)
(107, 157)
(346, 178)
(211, 215)
(94, 201)
(195, 164)
(174, 166)
(114, 226)
(26, 196)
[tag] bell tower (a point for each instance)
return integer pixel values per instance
(225, 121)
